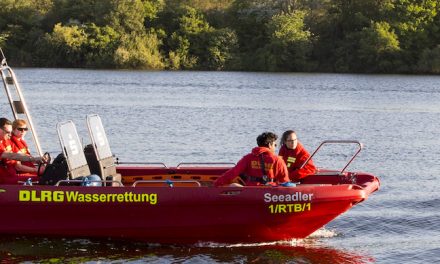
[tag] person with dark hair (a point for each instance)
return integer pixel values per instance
(294, 155)
(10, 159)
(260, 167)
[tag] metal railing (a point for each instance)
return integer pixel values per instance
(168, 182)
(91, 181)
(161, 164)
(185, 164)
(360, 146)
(180, 165)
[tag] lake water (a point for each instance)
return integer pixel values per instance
(175, 117)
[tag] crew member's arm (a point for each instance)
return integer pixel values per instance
(308, 169)
(20, 157)
(232, 173)
(281, 173)
(23, 168)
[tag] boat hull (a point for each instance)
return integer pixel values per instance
(175, 215)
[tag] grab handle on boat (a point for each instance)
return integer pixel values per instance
(230, 192)
(185, 164)
(360, 146)
(90, 181)
(167, 182)
(117, 162)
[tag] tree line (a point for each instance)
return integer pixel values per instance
(360, 36)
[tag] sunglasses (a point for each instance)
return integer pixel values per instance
(22, 129)
(6, 131)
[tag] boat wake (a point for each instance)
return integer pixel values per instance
(309, 241)
(293, 243)
(323, 233)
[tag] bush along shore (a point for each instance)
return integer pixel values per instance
(359, 36)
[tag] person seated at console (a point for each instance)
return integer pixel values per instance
(10, 158)
(19, 130)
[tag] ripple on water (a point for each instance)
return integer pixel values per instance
(215, 116)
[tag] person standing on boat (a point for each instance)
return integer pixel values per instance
(260, 167)
(19, 129)
(294, 155)
(10, 160)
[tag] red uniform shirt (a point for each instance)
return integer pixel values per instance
(250, 165)
(8, 174)
(22, 147)
(294, 158)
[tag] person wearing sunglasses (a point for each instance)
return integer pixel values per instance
(10, 159)
(260, 167)
(19, 129)
(294, 155)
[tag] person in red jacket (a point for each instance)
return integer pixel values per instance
(9, 158)
(294, 155)
(260, 167)
(19, 129)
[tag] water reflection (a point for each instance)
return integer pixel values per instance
(62, 250)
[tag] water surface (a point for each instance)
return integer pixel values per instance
(175, 117)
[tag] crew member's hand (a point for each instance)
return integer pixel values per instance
(36, 159)
(45, 159)
(41, 169)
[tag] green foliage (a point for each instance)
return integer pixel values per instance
(416, 27)
(3, 37)
(184, 43)
(290, 43)
(218, 50)
(65, 45)
(25, 13)
(202, 5)
(126, 15)
(77, 12)
(20, 23)
(373, 49)
(139, 52)
(429, 61)
(100, 46)
(413, 15)
(283, 35)
(191, 22)
(249, 19)
(378, 48)
(152, 8)
(179, 55)
(194, 44)
(288, 28)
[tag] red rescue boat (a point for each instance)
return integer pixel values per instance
(156, 203)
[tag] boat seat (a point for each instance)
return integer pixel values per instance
(72, 150)
(99, 155)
